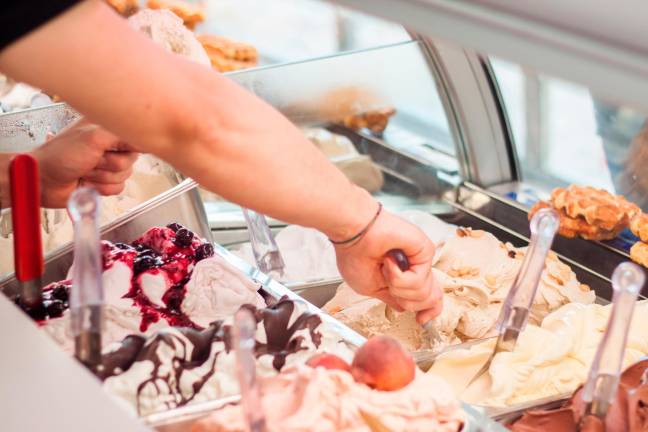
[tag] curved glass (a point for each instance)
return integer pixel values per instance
(291, 30)
(563, 135)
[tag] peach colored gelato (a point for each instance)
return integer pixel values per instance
(319, 400)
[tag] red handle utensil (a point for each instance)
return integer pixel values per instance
(25, 214)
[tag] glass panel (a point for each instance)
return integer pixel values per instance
(408, 165)
(290, 30)
(564, 135)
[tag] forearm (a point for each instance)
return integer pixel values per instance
(202, 123)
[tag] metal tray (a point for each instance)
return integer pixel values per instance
(180, 204)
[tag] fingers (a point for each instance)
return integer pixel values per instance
(117, 161)
(108, 177)
(407, 285)
(106, 189)
(415, 289)
(426, 315)
(384, 295)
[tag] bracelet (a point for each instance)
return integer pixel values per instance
(362, 232)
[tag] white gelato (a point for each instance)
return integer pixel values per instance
(167, 30)
(217, 290)
(549, 360)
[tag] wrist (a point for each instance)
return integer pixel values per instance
(353, 217)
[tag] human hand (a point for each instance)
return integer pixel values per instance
(82, 154)
(366, 267)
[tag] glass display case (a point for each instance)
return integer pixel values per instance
(483, 108)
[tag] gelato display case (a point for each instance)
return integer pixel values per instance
(465, 121)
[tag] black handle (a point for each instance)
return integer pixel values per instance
(401, 259)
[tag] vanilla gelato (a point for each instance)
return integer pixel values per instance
(475, 271)
(179, 366)
(548, 360)
(322, 400)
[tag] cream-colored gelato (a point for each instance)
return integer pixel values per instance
(307, 399)
(475, 271)
(549, 360)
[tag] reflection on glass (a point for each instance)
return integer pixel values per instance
(290, 30)
(564, 135)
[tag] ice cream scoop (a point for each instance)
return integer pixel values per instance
(86, 295)
(25, 207)
(430, 327)
(603, 380)
(515, 311)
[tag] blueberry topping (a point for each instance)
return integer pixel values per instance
(143, 263)
(37, 312)
(147, 252)
(175, 227)
(174, 299)
(139, 247)
(203, 251)
(183, 237)
(60, 292)
(122, 246)
(54, 308)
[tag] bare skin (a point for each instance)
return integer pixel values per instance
(82, 154)
(225, 138)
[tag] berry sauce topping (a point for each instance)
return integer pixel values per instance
(167, 252)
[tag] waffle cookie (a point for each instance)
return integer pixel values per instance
(577, 227)
(374, 120)
(639, 253)
(639, 226)
(227, 55)
(124, 7)
(190, 14)
(596, 206)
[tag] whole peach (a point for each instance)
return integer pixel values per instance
(382, 363)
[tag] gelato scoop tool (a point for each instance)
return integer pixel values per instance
(602, 383)
(28, 248)
(86, 295)
(429, 327)
(244, 342)
(264, 247)
(515, 310)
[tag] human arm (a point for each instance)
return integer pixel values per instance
(212, 130)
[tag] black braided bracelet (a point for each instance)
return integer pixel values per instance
(362, 232)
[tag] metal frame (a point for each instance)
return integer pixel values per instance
(484, 149)
(553, 36)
